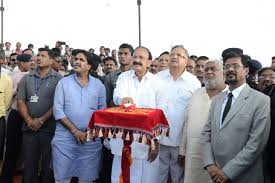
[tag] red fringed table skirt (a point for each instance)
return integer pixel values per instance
(117, 122)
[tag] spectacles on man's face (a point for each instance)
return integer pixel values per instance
(234, 66)
(177, 55)
(13, 59)
(270, 76)
(212, 69)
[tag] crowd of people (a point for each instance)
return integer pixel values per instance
(220, 113)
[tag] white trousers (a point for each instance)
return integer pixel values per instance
(141, 170)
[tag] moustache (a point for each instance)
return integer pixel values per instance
(267, 82)
(137, 63)
(77, 65)
(230, 73)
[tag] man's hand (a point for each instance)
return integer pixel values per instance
(212, 170)
(36, 124)
(221, 177)
(216, 174)
(153, 154)
(181, 160)
(33, 123)
(29, 122)
(80, 136)
(127, 100)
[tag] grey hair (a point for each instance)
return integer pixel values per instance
(215, 61)
(182, 47)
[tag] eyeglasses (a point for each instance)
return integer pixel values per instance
(13, 60)
(212, 69)
(271, 76)
(234, 66)
(177, 55)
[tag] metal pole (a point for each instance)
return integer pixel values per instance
(2, 52)
(139, 23)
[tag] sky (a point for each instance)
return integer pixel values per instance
(204, 27)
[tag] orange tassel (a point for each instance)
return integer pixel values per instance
(129, 157)
(121, 178)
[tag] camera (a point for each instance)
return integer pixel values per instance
(62, 43)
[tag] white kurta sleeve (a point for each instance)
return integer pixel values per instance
(121, 90)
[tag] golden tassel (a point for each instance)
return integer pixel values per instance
(100, 134)
(144, 139)
(127, 136)
(110, 134)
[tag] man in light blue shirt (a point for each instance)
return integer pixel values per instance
(76, 98)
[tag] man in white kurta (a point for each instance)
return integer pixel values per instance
(144, 89)
(180, 86)
(196, 117)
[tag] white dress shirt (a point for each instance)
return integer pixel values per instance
(6, 71)
(179, 93)
(236, 92)
(147, 93)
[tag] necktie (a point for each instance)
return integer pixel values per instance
(227, 106)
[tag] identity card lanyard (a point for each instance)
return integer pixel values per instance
(35, 98)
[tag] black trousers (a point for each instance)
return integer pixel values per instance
(37, 148)
(2, 136)
(13, 146)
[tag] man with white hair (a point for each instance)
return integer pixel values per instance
(190, 149)
(180, 86)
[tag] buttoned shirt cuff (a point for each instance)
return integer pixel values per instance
(117, 101)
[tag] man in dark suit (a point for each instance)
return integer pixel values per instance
(237, 129)
(270, 91)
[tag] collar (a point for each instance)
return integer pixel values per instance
(36, 73)
(146, 76)
(226, 89)
(183, 76)
(89, 78)
(118, 71)
(237, 91)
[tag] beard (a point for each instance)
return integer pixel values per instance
(231, 78)
(212, 83)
